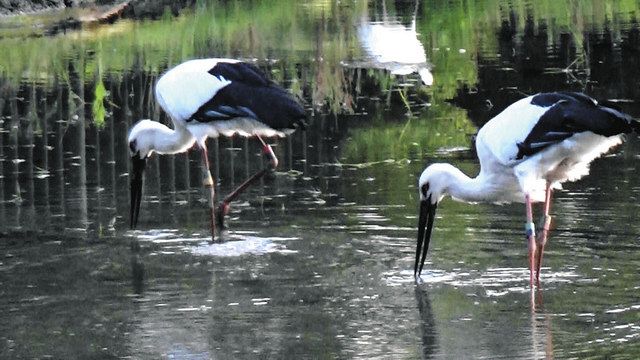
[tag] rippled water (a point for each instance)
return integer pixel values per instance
(318, 259)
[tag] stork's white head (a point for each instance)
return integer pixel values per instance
(434, 182)
(433, 186)
(145, 138)
(141, 145)
(142, 138)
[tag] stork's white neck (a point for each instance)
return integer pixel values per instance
(151, 136)
(445, 179)
(177, 141)
(467, 189)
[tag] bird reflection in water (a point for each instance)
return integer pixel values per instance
(429, 334)
(137, 268)
(541, 334)
(392, 46)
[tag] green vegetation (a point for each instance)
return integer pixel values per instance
(321, 32)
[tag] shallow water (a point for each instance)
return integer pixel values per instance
(318, 259)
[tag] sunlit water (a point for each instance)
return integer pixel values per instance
(318, 258)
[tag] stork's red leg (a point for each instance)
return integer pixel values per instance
(530, 233)
(223, 208)
(542, 239)
(209, 183)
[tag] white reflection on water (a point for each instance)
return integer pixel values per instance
(495, 281)
(238, 245)
(233, 244)
(391, 45)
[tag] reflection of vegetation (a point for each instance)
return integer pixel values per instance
(442, 126)
(98, 109)
(451, 43)
(296, 33)
(453, 34)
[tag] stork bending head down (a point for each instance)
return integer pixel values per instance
(207, 98)
(525, 152)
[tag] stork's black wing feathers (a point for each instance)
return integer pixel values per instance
(568, 114)
(240, 72)
(250, 94)
(549, 99)
(224, 112)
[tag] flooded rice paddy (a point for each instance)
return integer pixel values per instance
(318, 258)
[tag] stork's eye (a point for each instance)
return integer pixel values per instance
(132, 146)
(425, 189)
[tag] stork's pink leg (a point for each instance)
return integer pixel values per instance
(530, 233)
(542, 239)
(223, 208)
(208, 182)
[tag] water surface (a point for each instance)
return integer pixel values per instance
(318, 258)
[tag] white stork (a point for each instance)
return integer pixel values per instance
(530, 148)
(207, 98)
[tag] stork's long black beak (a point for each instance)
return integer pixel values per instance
(138, 165)
(425, 226)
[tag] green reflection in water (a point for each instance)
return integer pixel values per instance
(318, 32)
(453, 33)
(442, 126)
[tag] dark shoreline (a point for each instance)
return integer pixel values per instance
(24, 7)
(135, 8)
(74, 14)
